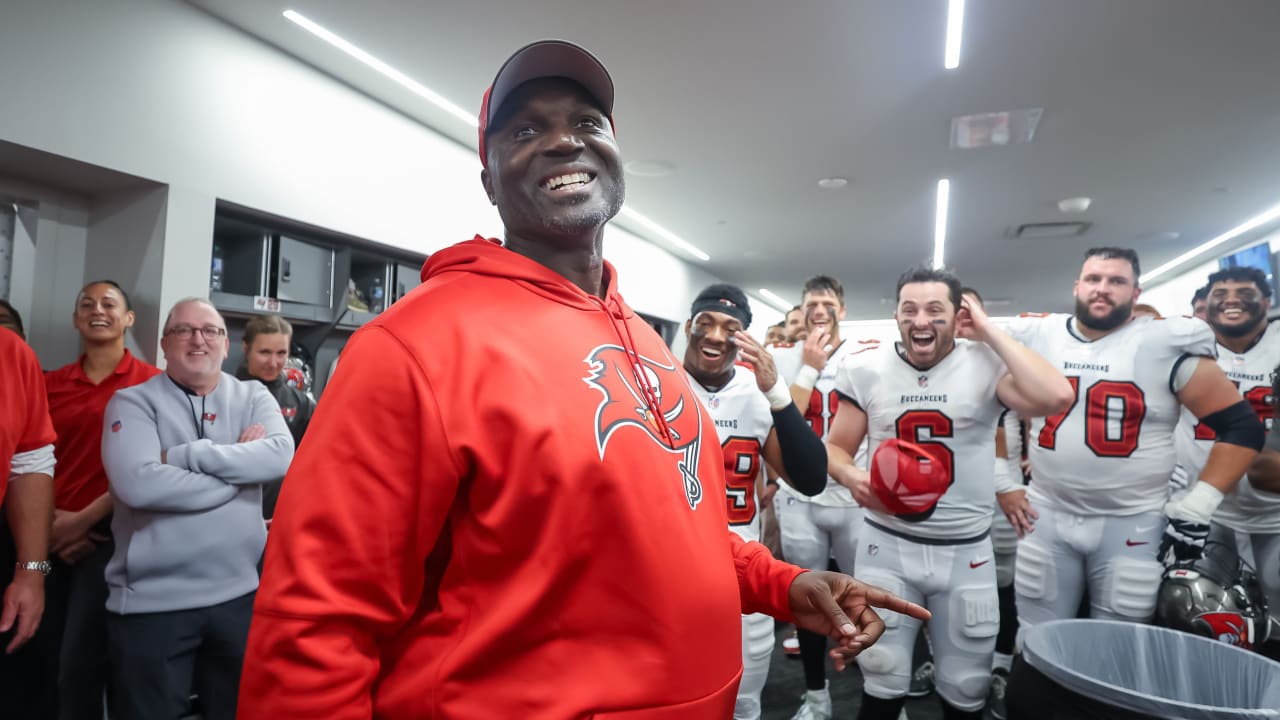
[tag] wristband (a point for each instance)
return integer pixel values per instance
(779, 396)
(1004, 483)
(807, 377)
(1197, 505)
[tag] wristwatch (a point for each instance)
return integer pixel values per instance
(43, 567)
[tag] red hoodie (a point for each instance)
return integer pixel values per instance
(497, 515)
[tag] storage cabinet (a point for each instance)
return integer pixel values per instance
(303, 272)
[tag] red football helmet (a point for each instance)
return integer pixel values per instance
(908, 479)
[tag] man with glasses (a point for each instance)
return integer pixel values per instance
(186, 454)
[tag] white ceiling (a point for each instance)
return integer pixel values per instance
(1165, 112)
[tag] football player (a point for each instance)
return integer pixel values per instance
(754, 418)
(794, 325)
(814, 529)
(943, 387)
(1248, 352)
(1100, 470)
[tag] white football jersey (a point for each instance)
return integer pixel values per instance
(953, 405)
(1252, 371)
(823, 403)
(743, 421)
(1111, 452)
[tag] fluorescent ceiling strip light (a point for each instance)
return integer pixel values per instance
(955, 28)
(664, 233)
(470, 119)
(400, 78)
(1235, 232)
(940, 223)
(775, 300)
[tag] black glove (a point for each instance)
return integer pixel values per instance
(1183, 541)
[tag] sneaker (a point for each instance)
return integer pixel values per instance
(816, 705)
(791, 645)
(995, 696)
(921, 680)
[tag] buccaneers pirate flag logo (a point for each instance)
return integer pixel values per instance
(634, 397)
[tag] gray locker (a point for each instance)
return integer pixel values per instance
(304, 272)
(408, 277)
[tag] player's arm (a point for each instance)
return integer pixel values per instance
(813, 360)
(1010, 492)
(352, 546)
(795, 452)
(1032, 387)
(848, 431)
(1264, 473)
(792, 448)
(1216, 402)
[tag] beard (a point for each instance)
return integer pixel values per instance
(590, 215)
(1256, 318)
(1118, 316)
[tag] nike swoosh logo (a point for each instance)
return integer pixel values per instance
(1132, 543)
(1145, 529)
(973, 564)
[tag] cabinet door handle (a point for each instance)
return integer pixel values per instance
(284, 269)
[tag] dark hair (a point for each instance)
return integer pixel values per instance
(819, 283)
(1201, 294)
(128, 305)
(266, 325)
(17, 319)
(970, 291)
(1117, 253)
(926, 275)
(1240, 273)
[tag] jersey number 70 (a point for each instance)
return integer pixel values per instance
(1101, 400)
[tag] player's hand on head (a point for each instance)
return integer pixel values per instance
(972, 322)
(816, 349)
(1017, 508)
(755, 355)
(842, 608)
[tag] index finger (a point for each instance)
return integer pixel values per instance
(884, 599)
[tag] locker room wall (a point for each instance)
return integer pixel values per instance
(160, 90)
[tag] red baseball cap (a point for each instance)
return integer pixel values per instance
(908, 478)
(546, 59)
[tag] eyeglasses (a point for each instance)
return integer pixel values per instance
(210, 332)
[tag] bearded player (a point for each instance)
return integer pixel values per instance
(814, 529)
(754, 417)
(944, 396)
(1248, 352)
(1100, 470)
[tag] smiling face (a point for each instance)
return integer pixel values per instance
(711, 353)
(927, 322)
(795, 326)
(1236, 308)
(1105, 293)
(100, 315)
(823, 310)
(195, 360)
(265, 358)
(554, 171)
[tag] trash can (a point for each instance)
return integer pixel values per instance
(1147, 671)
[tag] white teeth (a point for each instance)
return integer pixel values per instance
(556, 183)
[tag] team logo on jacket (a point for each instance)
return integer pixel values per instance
(209, 417)
(651, 397)
(289, 413)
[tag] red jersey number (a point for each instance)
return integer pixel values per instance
(741, 467)
(818, 420)
(910, 425)
(1259, 399)
(1102, 401)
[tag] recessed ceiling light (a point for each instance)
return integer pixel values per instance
(955, 29)
(833, 183)
(1075, 204)
(649, 168)
(775, 300)
(940, 223)
(1160, 235)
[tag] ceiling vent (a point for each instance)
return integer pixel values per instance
(1048, 230)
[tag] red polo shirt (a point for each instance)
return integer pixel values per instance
(24, 420)
(77, 407)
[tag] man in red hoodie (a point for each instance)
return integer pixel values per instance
(494, 526)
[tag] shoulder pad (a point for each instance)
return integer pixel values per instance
(1186, 335)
